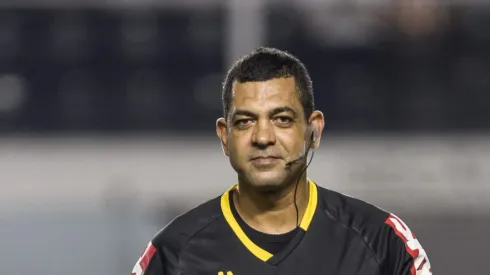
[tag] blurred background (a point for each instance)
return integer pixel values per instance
(108, 110)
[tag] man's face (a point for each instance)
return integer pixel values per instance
(265, 129)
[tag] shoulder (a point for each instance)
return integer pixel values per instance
(162, 253)
(173, 237)
(352, 212)
(387, 236)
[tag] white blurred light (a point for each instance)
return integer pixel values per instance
(207, 91)
(13, 90)
(341, 25)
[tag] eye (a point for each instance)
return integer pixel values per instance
(241, 123)
(283, 120)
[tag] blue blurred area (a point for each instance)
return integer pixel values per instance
(96, 70)
(100, 70)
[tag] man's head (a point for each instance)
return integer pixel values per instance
(265, 64)
(268, 117)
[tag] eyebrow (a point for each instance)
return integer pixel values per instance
(275, 111)
(283, 109)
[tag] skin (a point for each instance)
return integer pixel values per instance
(265, 129)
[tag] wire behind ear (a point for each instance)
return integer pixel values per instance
(313, 139)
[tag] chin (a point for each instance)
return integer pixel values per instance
(267, 181)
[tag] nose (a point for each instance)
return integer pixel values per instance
(264, 134)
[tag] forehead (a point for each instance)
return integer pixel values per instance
(266, 95)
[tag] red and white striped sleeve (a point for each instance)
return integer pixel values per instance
(149, 263)
(406, 254)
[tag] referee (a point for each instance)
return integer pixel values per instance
(275, 220)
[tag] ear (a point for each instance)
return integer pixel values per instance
(317, 123)
(222, 132)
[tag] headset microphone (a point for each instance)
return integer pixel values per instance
(302, 156)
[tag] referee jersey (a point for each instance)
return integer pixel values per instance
(338, 235)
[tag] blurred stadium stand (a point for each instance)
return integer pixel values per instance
(104, 70)
(105, 107)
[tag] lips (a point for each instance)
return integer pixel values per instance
(265, 157)
(267, 160)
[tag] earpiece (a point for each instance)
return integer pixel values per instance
(313, 139)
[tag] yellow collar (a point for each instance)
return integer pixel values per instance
(255, 249)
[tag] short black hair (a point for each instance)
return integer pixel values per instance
(265, 64)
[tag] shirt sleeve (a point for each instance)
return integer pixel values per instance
(150, 263)
(406, 256)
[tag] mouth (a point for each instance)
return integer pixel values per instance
(267, 160)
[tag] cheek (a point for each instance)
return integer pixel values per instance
(237, 156)
(238, 147)
(290, 142)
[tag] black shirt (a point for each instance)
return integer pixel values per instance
(338, 235)
(269, 242)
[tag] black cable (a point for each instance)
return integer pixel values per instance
(296, 187)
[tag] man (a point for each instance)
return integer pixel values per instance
(276, 220)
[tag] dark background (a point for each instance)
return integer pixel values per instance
(107, 120)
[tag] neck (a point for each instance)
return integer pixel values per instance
(272, 212)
